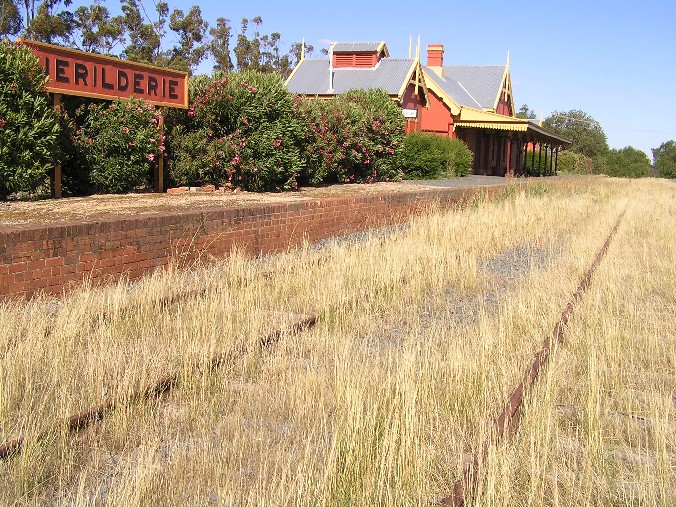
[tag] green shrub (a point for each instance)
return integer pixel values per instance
(29, 127)
(430, 156)
(353, 138)
(462, 159)
(191, 155)
(249, 133)
(569, 162)
(117, 145)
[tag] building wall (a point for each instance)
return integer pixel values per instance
(437, 118)
(412, 101)
(503, 108)
(52, 258)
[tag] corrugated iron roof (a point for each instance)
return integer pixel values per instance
(357, 47)
(312, 77)
(452, 89)
(482, 82)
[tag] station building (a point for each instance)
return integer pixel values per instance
(473, 103)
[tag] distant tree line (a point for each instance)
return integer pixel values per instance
(589, 152)
(157, 36)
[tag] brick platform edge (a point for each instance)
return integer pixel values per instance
(56, 257)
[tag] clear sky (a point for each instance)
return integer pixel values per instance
(615, 60)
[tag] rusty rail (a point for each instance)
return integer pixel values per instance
(507, 417)
(82, 420)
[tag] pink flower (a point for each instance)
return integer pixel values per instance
(277, 143)
(3, 123)
(125, 130)
(151, 156)
(245, 121)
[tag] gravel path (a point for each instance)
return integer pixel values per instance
(473, 180)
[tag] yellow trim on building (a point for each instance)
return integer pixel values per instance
(514, 127)
(419, 76)
(286, 83)
(383, 47)
(471, 114)
(445, 98)
(505, 85)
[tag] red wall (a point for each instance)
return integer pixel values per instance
(503, 108)
(51, 258)
(412, 101)
(437, 118)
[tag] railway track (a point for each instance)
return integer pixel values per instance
(462, 488)
(508, 417)
(82, 420)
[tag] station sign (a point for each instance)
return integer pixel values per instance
(74, 72)
(410, 113)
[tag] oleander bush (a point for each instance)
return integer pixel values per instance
(354, 138)
(430, 156)
(115, 145)
(244, 131)
(29, 127)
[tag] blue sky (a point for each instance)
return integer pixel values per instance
(615, 60)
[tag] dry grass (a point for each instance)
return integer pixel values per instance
(423, 332)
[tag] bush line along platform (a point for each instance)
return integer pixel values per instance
(55, 257)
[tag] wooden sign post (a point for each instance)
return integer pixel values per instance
(159, 169)
(56, 173)
(74, 72)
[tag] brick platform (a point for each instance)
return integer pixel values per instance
(52, 258)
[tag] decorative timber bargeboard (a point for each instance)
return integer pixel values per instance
(75, 72)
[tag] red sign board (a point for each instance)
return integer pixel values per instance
(74, 72)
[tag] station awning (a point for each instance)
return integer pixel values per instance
(474, 118)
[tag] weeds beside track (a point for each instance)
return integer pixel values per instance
(82, 420)
(508, 417)
(422, 333)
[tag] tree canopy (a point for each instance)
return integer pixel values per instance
(584, 131)
(153, 34)
(526, 113)
(10, 18)
(627, 162)
(664, 159)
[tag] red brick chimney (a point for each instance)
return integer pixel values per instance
(435, 57)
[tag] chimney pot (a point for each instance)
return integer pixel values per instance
(435, 55)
